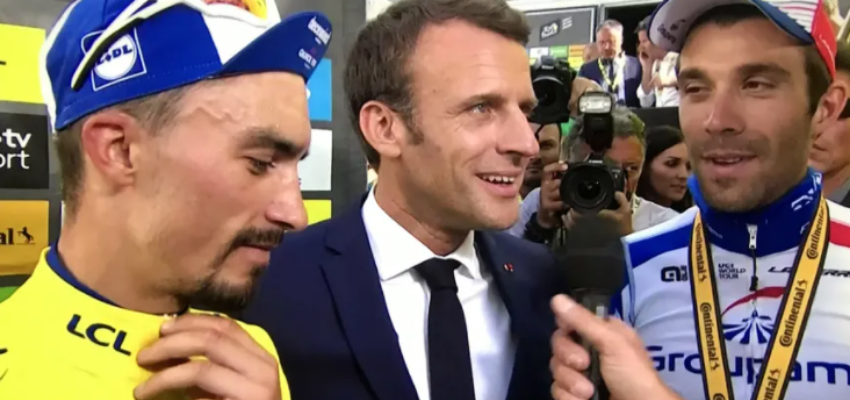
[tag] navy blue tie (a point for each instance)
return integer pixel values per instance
(449, 364)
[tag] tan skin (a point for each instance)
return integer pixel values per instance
(668, 175)
(472, 99)
(831, 148)
(742, 97)
(173, 202)
(609, 43)
(748, 99)
(549, 140)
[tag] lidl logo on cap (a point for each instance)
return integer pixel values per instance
(320, 32)
(123, 60)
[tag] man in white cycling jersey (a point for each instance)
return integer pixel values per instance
(757, 277)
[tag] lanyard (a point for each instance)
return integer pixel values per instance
(790, 324)
(611, 84)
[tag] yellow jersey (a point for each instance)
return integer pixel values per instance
(57, 342)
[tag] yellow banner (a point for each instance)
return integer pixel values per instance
(19, 48)
(317, 210)
(23, 235)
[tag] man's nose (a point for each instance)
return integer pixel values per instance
(725, 113)
(287, 207)
(518, 137)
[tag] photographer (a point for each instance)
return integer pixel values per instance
(624, 156)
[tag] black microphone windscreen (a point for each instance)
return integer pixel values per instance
(592, 257)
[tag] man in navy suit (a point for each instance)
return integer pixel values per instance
(412, 294)
(617, 73)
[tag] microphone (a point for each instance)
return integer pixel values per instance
(593, 262)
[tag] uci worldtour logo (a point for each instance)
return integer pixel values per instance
(122, 61)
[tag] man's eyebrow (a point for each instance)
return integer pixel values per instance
(763, 68)
(692, 74)
(271, 138)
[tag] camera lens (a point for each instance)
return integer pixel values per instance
(587, 187)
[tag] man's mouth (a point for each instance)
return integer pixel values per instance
(498, 179)
(728, 159)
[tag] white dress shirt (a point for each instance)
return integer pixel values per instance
(491, 346)
(664, 97)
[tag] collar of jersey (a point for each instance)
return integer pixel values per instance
(83, 330)
(780, 225)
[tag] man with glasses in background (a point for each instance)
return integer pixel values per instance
(617, 73)
(179, 159)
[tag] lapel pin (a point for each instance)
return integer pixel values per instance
(509, 267)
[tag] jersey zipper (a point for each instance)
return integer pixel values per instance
(754, 281)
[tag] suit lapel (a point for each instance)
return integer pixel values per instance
(356, 289)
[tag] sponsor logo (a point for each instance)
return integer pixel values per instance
(549, 30)
(812, 252)
(751, 324)
(23, 235)
(826, 272)
(674, 273)
(16, 237)
(308, 58)
(749, 367)
(728, 271)
(665, 33)
(123, 60)
(320, 32)
(707, 314)
(798, 293)
(566, 23)
(100, 334)
(702, 271)
(23, 151)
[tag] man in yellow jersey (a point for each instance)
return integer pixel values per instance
(179, 126)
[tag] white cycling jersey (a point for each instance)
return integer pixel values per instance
(657, 300)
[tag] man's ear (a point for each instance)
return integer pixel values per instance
(382, 128)
(106, 138)
(830, 106)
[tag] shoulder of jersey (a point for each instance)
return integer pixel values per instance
(649, 243)
(685, 219)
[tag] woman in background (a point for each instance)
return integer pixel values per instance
(666, 169)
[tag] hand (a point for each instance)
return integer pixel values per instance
(622, 215)
(580, 86)
(625, 365)
(233, 367)
(646, 60)
(550, 195)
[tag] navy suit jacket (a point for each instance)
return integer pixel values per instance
(631, 79)
(321, 302)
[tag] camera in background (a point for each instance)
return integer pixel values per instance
(589, 185)
(552, 80)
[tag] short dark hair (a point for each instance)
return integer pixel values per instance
(817, 74)
(378, 64)
(643, 25)
(153, 112)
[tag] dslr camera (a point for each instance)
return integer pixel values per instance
(552, 80)
(589, 185)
